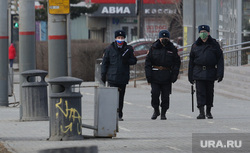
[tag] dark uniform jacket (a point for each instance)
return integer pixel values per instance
(116, 61)
(166, 57)
(206, 61)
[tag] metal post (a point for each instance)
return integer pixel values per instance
(10, 81)
(194, 20)
(140, 19)
(135, 76)
(9, 23)
(214, 18)
(27, 48)
(4, 53)
(69, 45)
(239, 29)
(27, 56)
(57, 46)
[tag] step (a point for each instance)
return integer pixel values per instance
(231, 94)
(242, 70)
(236, 76)
(232, 89)
(237, 89)
(237, 84)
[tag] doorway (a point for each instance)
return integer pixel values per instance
(131, 32)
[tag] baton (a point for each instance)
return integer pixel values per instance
(192, 93)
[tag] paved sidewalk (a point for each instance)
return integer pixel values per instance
(137, 133)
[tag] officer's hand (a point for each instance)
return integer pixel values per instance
(173, 78)
(191, 81)
(220, 79)
(125, 57)
(149, 80)
(103, 79)
(124, 60)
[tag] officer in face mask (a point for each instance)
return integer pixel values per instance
(162, 68)
(117, 58)
(206, 64)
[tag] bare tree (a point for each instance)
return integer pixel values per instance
(176, 24)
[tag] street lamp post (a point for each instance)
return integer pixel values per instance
(4, 53)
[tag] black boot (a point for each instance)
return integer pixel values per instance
(163, 113)
(156, 113)
(208, 113)
(202, 113)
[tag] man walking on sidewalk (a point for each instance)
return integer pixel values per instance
(206, 64)
(118, 56)
(162, 68)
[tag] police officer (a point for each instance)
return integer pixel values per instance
(162, 68)
(118, 56)
(205, 66)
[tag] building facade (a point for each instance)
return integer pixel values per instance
(229, 22)
(138, 18)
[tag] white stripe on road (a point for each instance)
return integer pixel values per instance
(182, 115)
(174, 148)
(236, 129)
(129, 103)
(124, 129)
(232, 128)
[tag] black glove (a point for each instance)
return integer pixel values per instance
(103, 79)
(191, 81)
(125, 57)
(220, 79)
(173, 78)
(149, 80)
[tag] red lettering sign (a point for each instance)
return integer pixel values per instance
(160, 1)
(113, 1)
(153, 26)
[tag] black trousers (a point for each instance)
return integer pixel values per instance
(204, 93)
(156, 91)
(121, 89)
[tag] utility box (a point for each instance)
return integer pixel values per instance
(106, 106)
(98, 77)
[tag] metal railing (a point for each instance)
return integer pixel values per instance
(232, 57)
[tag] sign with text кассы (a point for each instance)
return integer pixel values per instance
(59, 7)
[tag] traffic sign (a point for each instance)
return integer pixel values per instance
(59, 7)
